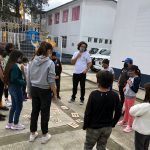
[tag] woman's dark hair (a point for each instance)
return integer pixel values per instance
(79, 45)
(44, 47)
(8, 48)
(104, 79)
(105, 61)
(25, 59)
(13, 58)
(136, 69)
(147, 92)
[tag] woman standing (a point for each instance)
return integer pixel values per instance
(13, 79)
(41, 80)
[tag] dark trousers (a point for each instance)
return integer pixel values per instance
(141, 141)
(58, 86)
(17, 103)
(1, 89)
(6, 92)
(76, 79)
(121, 92)
(41, 102)
(24, 92)
(97, 136)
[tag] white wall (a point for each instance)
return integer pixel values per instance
(98, 21)
(71, 29)
(132, 34)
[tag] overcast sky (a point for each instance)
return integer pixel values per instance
(55, 3)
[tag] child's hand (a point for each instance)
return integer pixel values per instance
(124, 89)
(129, 82)
(57, 77)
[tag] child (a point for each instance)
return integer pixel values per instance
(2, 117)
(8, 49)
(58, 70)
(141, 124)
(41, 80)
(13, 78)
(130, 91)
(102, 112)
(105, 65)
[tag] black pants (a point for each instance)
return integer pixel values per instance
(58, 86)
(6, 92)
(41, 101)
(121, 95)
(1, 90)
(76, 79)
(141, 141)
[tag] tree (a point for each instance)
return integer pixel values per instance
(9, 8)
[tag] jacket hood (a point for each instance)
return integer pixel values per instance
(38, 60)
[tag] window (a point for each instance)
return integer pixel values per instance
(56, 41)
(65, 16)
(50, 19)
(95, 40)
(75, 13)
(110, 42)
(89, 39)
(64, 41)
(56, 18)
(106, 41)
(100, 40)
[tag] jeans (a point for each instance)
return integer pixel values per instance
(76, 79)
(41, 102)
(141, 141)
(17, 103)
(97, 136)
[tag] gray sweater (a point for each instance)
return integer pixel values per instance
(41, 73)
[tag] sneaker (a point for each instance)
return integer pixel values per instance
(58, 97)
(46, 138)
(122, 123)
(9, 125)
(8, 104)
(127, 129)
(71, 100)
(33, 137)
(18, 127)
(81, 103)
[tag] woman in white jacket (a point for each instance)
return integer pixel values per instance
(141, 123)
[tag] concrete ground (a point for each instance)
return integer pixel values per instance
(64, 137)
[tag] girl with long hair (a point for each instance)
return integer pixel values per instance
(41, 80)
(13, 78)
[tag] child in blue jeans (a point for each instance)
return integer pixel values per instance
(14, 79)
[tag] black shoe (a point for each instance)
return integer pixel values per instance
(4, 108)
(1, 115)
(58, 97)
(71, 100)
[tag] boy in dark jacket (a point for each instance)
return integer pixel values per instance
(58, 70)
(102, 112)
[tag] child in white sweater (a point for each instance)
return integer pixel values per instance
(141, 123)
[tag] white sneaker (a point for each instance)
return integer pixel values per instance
(33, 137)
(81, 103)
(18, 127)
(8, 104)
(9, 125)
(46, 138)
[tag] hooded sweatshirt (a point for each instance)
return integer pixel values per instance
(141, 123)
(41, 73)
